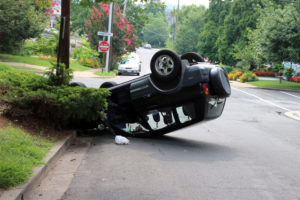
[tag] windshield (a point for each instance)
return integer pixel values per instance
(124, 61)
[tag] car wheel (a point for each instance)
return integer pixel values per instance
(219, 81)
(137, 74)
(165, 65)
(108, 84)
(73, 84)
(192, 57)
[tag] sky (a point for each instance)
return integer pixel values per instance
(188, 2)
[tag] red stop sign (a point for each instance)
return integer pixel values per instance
(103, 46)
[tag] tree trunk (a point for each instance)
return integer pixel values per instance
(64, 34)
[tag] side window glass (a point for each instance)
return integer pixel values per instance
(186, 113)
(158, 119)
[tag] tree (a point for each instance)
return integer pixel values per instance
(19, 20)
(243, 16)
(188, 28)
(277, 36)
(213, 28)
(156, 30)
(124, 37)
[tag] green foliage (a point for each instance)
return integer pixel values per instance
(86, 55)
(277, 67)
(59, 75)
(288, 72)
(19, 20)
(213, 28)
(156, 30)
(19, 153)
(243, 15)
(63, 105)
(187, 32)
(248, 76)
(228, 68)
(298, 74)
(277, 36)
(41, 46)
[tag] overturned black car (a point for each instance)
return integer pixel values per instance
(180, 91)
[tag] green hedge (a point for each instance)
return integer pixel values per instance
(63, 105)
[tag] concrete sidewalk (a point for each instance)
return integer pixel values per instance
(242, 85)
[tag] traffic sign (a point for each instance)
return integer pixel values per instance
(103, 46)
(105, 34)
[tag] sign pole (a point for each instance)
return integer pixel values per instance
(109, 36)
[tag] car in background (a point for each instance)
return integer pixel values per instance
(147, 46)
(179, 92)
(130, 65)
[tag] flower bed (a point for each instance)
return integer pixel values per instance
(295, 79)
(272, 74)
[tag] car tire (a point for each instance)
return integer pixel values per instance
(74, 84)
(192, 57)
(108, 84)
(220, 82)
(165, 65)
(137, 74)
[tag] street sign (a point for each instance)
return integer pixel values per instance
(103, 46)
(105, 34)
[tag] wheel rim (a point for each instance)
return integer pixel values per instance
(164, 65)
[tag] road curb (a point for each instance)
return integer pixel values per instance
(19, 192)
(278, 89)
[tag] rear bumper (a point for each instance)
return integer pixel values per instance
(128, 71)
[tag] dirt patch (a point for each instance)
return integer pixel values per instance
(34, 127)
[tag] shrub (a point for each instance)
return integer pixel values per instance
(248, 76)
(270, 73)
(288, 72)
(86, 55)
(277, 67)
(41, 46)
(298, 74)
(295, 79)
(59, 75)
(62, 105)
(228, 68)
(235, 74)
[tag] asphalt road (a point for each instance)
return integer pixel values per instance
(251, 152)
(145, 56)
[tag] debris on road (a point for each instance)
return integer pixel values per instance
(293, 114)
(121, 140)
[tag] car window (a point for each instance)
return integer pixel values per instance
(186, 113)
(158, 119)
(124, 61)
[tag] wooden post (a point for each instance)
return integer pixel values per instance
(63, 54)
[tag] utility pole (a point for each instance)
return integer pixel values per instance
(109, 36)
(64, 34)
(125, 4)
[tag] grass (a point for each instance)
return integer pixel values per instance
(102, 73)
(19, 154)
(45, 62)
(276, 84)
